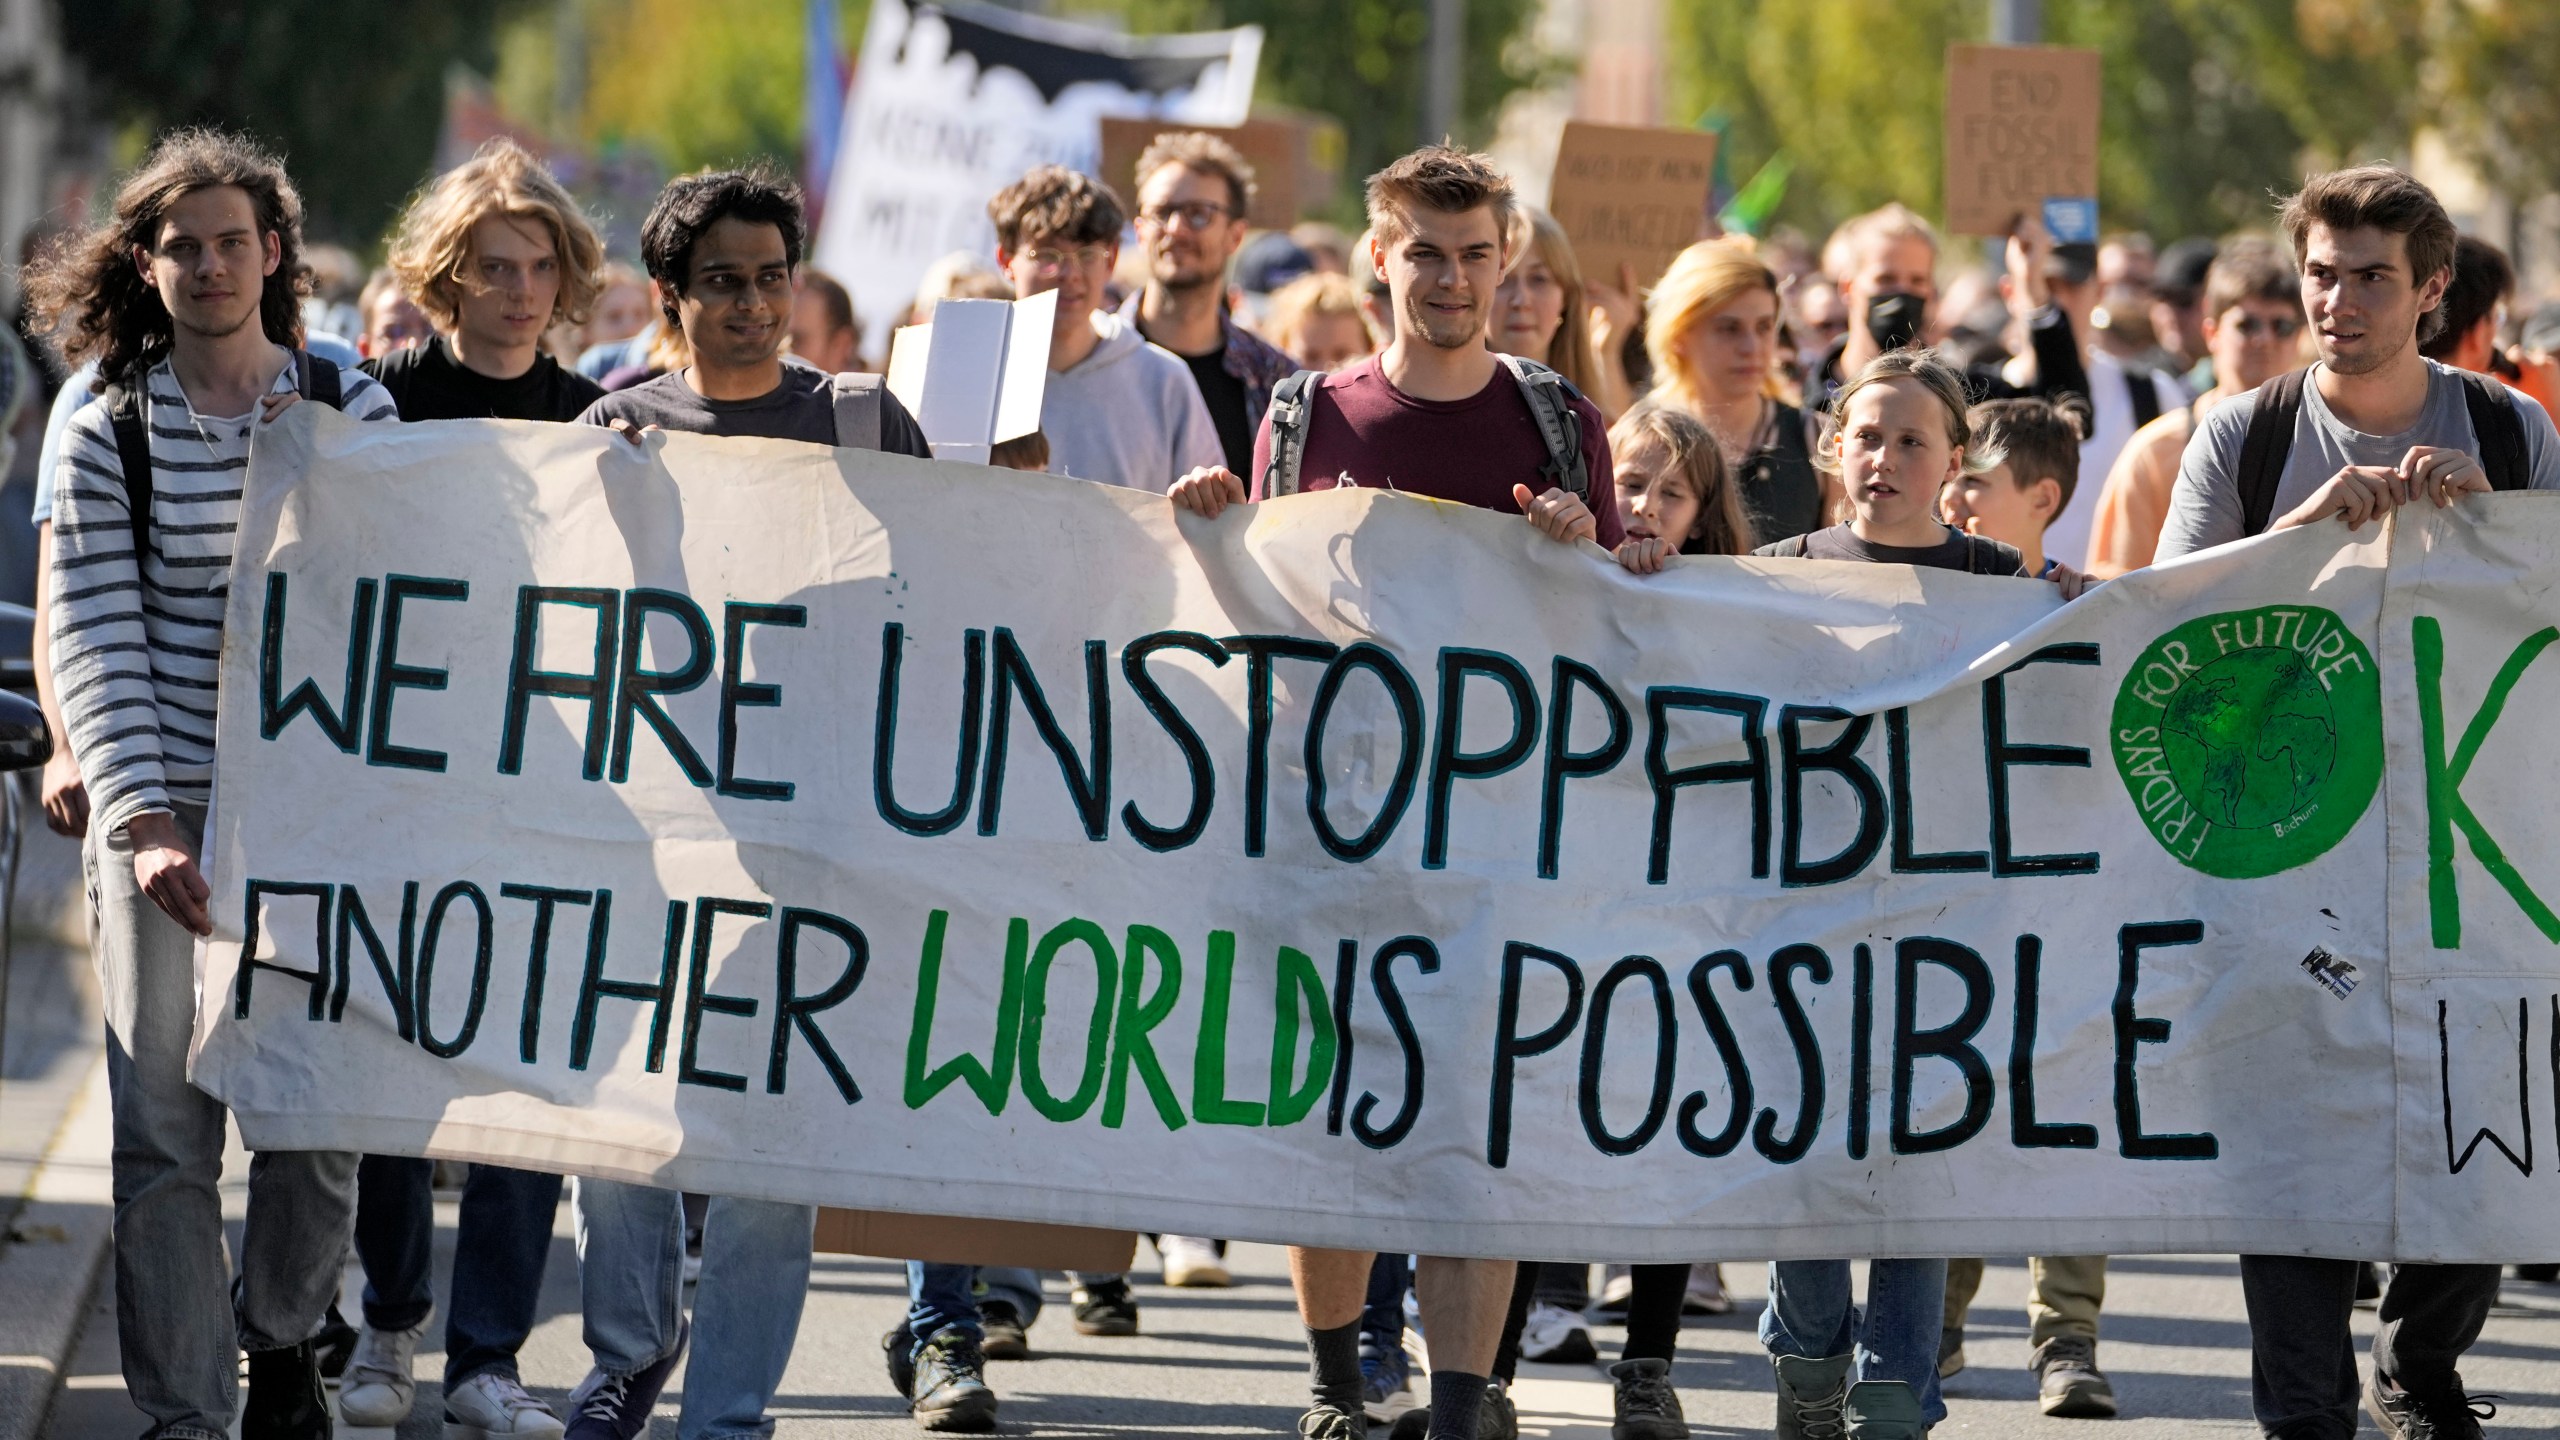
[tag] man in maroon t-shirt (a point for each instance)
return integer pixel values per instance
(1436, 413)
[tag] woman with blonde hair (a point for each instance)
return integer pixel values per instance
(1318, 319)
(1713, 336)
(1544, 312)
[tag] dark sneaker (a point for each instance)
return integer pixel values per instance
(1003, 1335)
(1106, 1309)
(950, 1385)
(1386, 1384)
(285, 1399)
(2446, 1414)
(1326, 1423)
(1884, 1410)
(900, 1349)
(616, 1407)
(1647, 1408)
(337, 1341)
(2068, 1381)
(1500, 1418)
(1813, 1396)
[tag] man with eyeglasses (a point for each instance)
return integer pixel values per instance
(2253, 331)
(1194, 192)
(1118, 410)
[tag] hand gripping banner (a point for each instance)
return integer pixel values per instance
(1354, 870)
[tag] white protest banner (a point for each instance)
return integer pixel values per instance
(952, 102)
(1355, 870)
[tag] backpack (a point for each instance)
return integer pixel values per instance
(313, 379)
(1981, 554)
(1550, 398)
(858, 410)
(2144, 392)
(2494, 421)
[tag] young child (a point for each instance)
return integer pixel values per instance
(1674, 497)
(2013, 501)
(1897, 435)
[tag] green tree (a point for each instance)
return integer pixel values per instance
(2208, 106)
(353, 95)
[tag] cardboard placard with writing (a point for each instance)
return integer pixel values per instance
(2022, 130)
(1285, 179)
(1631, 193)
(956, 1241)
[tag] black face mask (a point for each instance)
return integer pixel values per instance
(1894, 319)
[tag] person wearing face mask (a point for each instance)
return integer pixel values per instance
(1713, 336)
(1545, 312)
(1885, 265)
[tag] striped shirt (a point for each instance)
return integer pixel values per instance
(136, 657)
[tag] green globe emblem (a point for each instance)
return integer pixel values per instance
(2251, 741)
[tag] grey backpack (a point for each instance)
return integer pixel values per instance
(858, 410)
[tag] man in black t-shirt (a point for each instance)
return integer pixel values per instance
(495, 253)
(1194, 190)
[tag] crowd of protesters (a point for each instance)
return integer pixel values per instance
(2067, 416)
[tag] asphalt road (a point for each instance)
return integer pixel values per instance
(1231, 1363)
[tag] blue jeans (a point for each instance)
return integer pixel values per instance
(1382, 1313)
(499, 1251)
(942, 1297)
(1812, 1315)
(746, 1313)
(181, 1319)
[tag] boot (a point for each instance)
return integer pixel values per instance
(1885, 1410)
(285, 1401)
(1811, 1397)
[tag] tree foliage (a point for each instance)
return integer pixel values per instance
(2209, 105)
(353, 95)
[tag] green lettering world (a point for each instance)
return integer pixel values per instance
(2251, 741)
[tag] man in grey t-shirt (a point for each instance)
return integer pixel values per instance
(2380, 426)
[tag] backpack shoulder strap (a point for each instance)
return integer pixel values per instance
(858, 410)
(1792, 548)
(125, 413)
(316, 378)
(2269, 443)
(1551, 398)
(2144, 391)
(2499, 428)
(1287, 415)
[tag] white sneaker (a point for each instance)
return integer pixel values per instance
(1706, 1291)
(1191, 1263)
(1617, 1286)
(493, 1405)
(380, 1385)
(1556, 1336)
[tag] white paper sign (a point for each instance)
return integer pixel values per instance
(953, 102)
(1356, 870)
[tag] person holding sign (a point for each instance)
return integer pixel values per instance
(723, 250)
(496, 253)
(188, 300)
(2372, 426)
(1437, 413)
(1117, 409)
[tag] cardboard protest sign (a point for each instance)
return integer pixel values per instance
(2022, 139)
(1290, 175)
(1363, 871)
(952, 102)
(1631, 193)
